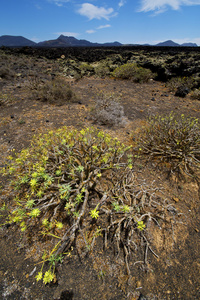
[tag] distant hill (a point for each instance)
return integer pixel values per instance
(15, 41)
(170, 43)
(189, 45)
(70, 41)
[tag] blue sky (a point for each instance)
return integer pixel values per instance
(125, 21)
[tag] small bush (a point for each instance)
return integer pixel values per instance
(177, 82)
(181, 86)
(195, 94)
(55, 91)
(6, 73)
(108, 111)
(86, 69)
(133, 72)
(102, 70)
(75, 186)
(6, 99)
(173, 139)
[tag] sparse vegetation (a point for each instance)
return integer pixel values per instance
(86, 69)
(83, 195)
(6, 99)
(177, 82)
(6, 73)
(108, 111)
(181, 86)
(66, 180)
(174, 139)
(102, 70)
(195, 94)
(55, 91)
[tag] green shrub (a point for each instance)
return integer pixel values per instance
(176, 82)
(102, 70)
(173, 139)
(86, 69)
(55, 91)
(133, 72)
(71, 186)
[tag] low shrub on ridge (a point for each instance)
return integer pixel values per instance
(133, 72)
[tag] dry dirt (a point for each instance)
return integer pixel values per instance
(175, 274)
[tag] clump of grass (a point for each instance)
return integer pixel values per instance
(6, 73)
(67, 179)
(174, 139)
(108, 111)
(55, 91)
(133, 72)
(6, 99)
(195, 94)
(176, 82)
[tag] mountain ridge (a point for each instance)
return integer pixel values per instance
(70, 41)
(12, 41)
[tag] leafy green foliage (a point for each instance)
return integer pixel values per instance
(133, 72)
(66, 178)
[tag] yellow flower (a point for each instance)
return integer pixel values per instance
(140, 225)
(33, 182)
(48, 277)
(38, 276)
(94, 213)
(35, 213)
(59, 225)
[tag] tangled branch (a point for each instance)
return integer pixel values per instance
(66, 179)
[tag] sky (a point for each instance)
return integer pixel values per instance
(125, 21)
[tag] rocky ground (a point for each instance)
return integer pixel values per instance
(174, 274)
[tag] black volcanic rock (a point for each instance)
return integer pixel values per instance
(15, 41)
(182, 91)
